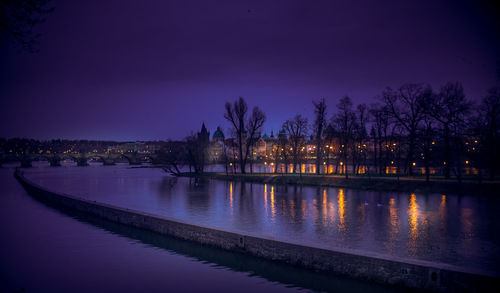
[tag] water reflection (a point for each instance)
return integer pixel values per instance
(324, 206)
(394, 224)
(442, 213)
(148, 261)
(231, 200)
(466, 220)
(413, 215)
(341, 201)
(197, 193)
(445, 228)
(273, 205)
(413, 222)
(265, 200)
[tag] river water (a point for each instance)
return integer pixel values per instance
(446, 228)
(44, 249)
(452, 229)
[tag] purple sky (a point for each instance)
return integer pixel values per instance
(152, 70)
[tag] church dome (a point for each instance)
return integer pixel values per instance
(218, 134)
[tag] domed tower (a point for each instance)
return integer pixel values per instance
(218, 135)
(216, 149)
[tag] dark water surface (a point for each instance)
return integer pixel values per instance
(452, 229)
(44, 249)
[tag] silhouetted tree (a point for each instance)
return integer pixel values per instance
(490, 134)
(329, 135)
(379, 134)
(318, 127)
(296, 129)
(407, 107)
(246, 130)
(283, 150)
(360, 137)
(345, 122)
(254, 127)
(426, 138)
(449, 108)
(173, 157)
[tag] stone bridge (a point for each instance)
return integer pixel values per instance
(81, 159)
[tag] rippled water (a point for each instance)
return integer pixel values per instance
(458, 230)
(49, 250)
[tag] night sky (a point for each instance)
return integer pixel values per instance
(152, 70)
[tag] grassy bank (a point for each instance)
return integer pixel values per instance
(402, 184)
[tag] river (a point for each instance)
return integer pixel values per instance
(446, 228)
(50, 250)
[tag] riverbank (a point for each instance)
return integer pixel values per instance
(338, 261)
(391, 184)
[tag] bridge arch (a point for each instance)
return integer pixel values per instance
(130, 157)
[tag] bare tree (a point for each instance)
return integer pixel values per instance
(329, 135)
(296, 129)
(173, 157)
(345, 121)
(360, 136)
(236, 114)
(379, 133)
(284, 151)
(246, 130)
(407, 107)
(449, 108)
(426, 137)
(319, 126)
(490, 136)
(254, 126)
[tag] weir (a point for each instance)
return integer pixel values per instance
(356, 264)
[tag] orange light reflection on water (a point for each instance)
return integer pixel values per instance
(265, 199)
(413, 214)
(231, 197)
(273, 203)
(413, 233)
(292, 208)
(324, 205)
(394, 222)
(341, 202)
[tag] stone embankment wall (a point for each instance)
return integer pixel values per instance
(360, 265)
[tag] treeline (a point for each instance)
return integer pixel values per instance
(404, 128)
(402, 131)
